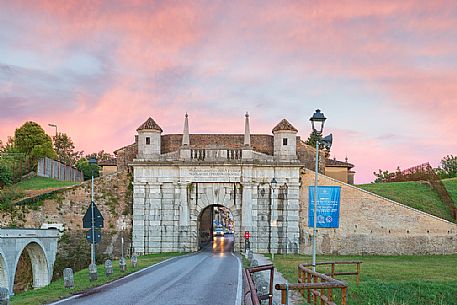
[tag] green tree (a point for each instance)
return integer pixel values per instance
(313, 137)
(100, 156)
(386, 176)
(31, 139)
(6, 175)
(65, 149)
(87, 168)
(448, 168)
(8, 147)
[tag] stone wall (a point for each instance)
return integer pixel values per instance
(113, 197)
(370, 224)
(126, 154)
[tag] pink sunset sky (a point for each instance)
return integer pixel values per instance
(384, 73)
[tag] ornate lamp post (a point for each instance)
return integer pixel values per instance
(317, 123)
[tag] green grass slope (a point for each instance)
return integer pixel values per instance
(40, 183)
(418, 195)
(451, 186)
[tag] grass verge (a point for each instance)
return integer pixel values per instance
(56, 290)
(392, 280)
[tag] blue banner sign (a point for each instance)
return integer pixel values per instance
(328, 206)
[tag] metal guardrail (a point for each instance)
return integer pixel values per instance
(255, 298)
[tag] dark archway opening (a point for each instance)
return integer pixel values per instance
(31, 269)
(216, 229)
(23, 280)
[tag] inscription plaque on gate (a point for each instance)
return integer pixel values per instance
(217, 173)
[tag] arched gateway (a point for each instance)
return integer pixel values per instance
(177, 176)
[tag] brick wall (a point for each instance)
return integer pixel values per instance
(260, 143)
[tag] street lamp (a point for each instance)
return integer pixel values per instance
(93, 265)
(317, 123)
(273, 186)
(55, 126)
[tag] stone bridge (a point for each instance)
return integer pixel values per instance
(41, 246)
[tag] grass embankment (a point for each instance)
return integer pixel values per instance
(418, 195)
(56, 290)
(451, 186)
(40, 183)
(30, 188)
(392, 280)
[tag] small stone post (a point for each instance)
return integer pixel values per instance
(134, 260)
(4, 296)
(108, 267)
(93, 272)
(68, 278)
(122, 264)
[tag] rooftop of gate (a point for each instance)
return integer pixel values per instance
(284, 125)
(150, 124)
(259, 142)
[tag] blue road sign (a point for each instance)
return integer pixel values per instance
(97, 235)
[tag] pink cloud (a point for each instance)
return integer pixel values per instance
(226, 52)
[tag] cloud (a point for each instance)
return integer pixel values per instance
(385, 70)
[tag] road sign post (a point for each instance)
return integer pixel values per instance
(93, 219)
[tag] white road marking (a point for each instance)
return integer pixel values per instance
(240, 282)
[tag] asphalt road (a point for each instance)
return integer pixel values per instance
(211, 277)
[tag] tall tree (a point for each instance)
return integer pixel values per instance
(65, 149)
(448, 168)
(87, 168)
(100, 156)
(313, 137)
(31, 140)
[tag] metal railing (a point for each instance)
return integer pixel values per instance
(252, 290)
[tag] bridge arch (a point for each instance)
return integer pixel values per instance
(41, 272)
(3, 271)
(41, 247)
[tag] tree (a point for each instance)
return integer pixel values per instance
(31, 139)
(87, 168)
(386, 176)
(8, 147)
(100, 156)
(65, 149)
(448, 168)
(6, 175)
(313, 137)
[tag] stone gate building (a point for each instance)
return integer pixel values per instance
(177, 177)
